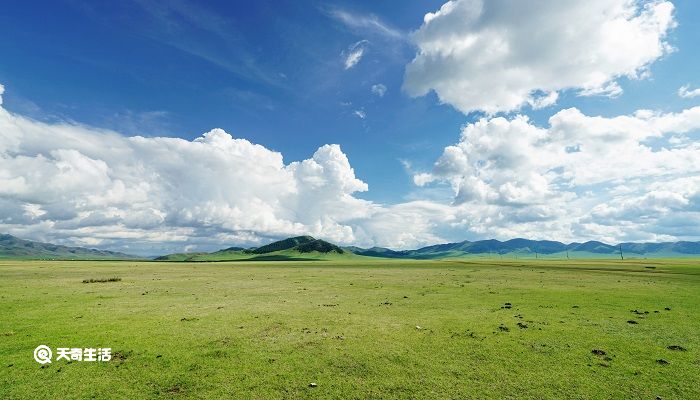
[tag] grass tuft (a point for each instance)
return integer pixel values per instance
(102, 280)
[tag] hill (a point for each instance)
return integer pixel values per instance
(285, 244)
(299, 248)
(13, 247)
(309, 248)
(538, 249)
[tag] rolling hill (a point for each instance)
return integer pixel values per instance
(309, 248)
(539, 249)
(306, 248)
(13, 247)
(299, 248)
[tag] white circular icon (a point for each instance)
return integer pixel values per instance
(42, 354)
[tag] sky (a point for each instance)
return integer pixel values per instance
(153, 127)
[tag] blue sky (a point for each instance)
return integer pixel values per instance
(276, 74)
(271, 72)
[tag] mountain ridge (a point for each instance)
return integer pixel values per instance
(536, 248)
(14, 247)
(308, 248)
(297, 248)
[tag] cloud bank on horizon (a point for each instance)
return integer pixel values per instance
(68, 181)
(632, 177)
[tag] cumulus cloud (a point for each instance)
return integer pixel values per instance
(687, 93)
(379, 89)
(75, 184)
(497, 56)
(354, 53)
(580, 177)
(360, 114)
(624, 168)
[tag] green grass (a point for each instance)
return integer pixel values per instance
(267, 330)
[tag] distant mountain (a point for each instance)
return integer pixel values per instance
(378, 252)
(300, 248)
(285, 244)
(308, 248)
(234, 248)
(537, 248)
(13, 247)
(320, 246)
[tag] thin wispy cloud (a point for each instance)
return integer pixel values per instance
(379, 89)
(687, 93)
(354, 53)
(366, 24)
(142, 123)
(197, 31)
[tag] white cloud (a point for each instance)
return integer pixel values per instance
(75, 184)
(360, 114)
(625, 169)
(687, 93)
(497, 56)
(354, 53)
(365, 23)
(379, 89)
(579, 178)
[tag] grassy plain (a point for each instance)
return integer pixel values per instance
(358, 328)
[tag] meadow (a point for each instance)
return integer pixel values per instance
(356, 328)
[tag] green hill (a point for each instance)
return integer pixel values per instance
(300, 248)
(285, 244)
(13, 247)
(309, 248)
(525, 248)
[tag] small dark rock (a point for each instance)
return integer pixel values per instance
(661, 361)
(632, 322)
(598, 352)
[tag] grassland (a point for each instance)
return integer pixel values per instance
(357, 328)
